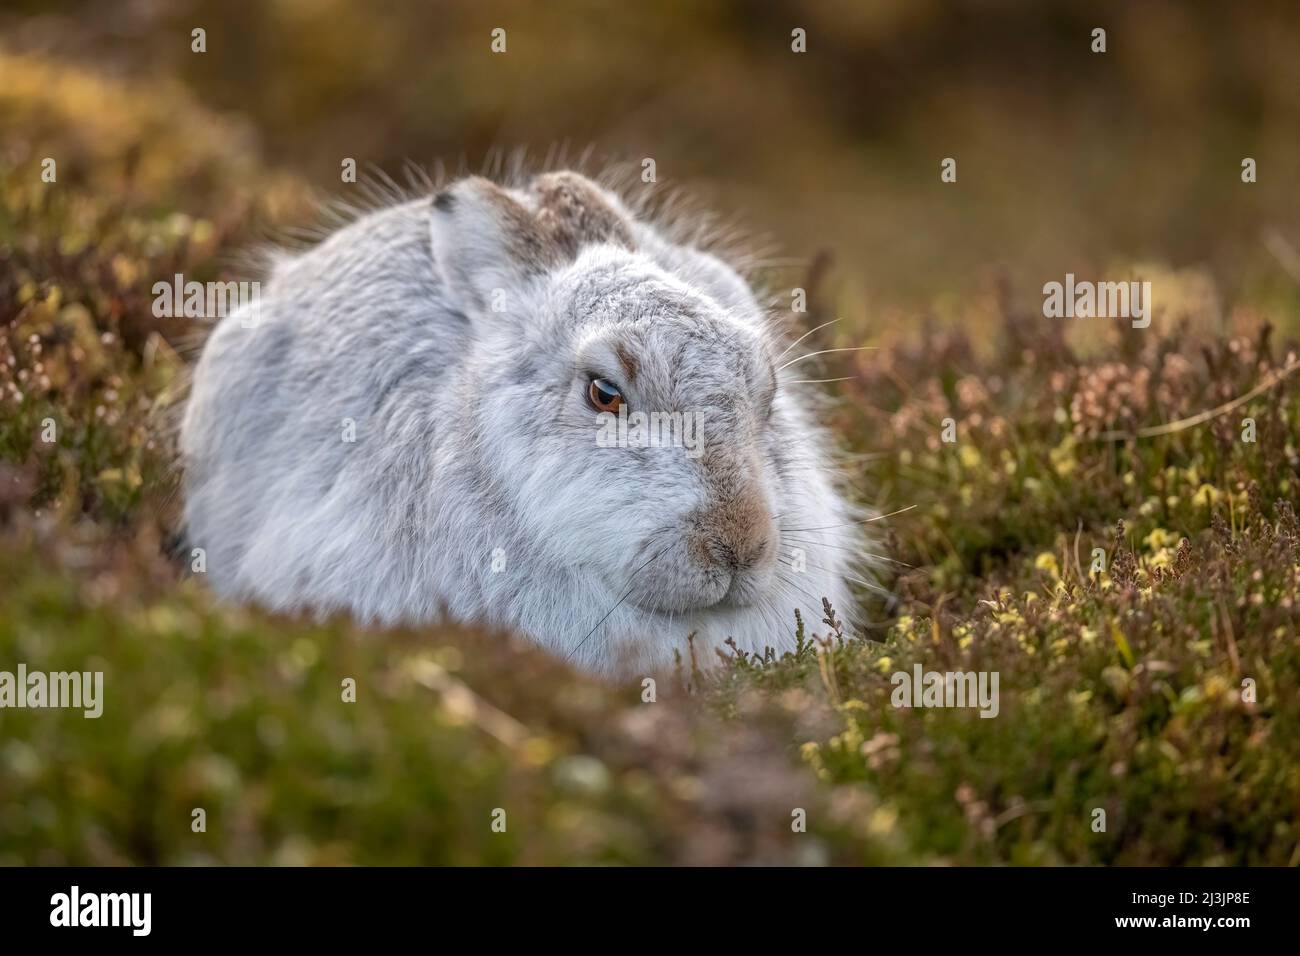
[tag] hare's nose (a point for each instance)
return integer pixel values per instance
(735, 534)
(739, 556)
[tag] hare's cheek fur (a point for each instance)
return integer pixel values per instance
(389, 438)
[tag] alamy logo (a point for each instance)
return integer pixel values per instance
(1101, 300)
(207, 300)
(103, 909)
(82, 690)
(923, 688)
(650, 430)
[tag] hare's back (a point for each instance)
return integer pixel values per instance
(347, 352)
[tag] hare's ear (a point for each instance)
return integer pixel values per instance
(572, 211)
(485, 243)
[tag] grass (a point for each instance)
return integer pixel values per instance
(1121, 689)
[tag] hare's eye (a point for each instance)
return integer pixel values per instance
(604, 395)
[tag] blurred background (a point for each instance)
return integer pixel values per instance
(1068, 161)
(1110, 166)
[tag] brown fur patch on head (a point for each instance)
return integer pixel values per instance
(572, 212)
(627, 360)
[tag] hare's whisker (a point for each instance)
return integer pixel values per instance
(840, 547)
(848, 577)
(851, 348)
(805, 335)
(792, 591)
(849, 523)
(626, 595)
(818, 381)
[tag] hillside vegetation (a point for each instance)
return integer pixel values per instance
(1121, 689)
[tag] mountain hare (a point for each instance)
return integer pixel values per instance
(522, 407)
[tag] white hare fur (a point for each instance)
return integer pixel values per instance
(460, 335)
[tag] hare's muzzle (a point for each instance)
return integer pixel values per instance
(735, 534)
